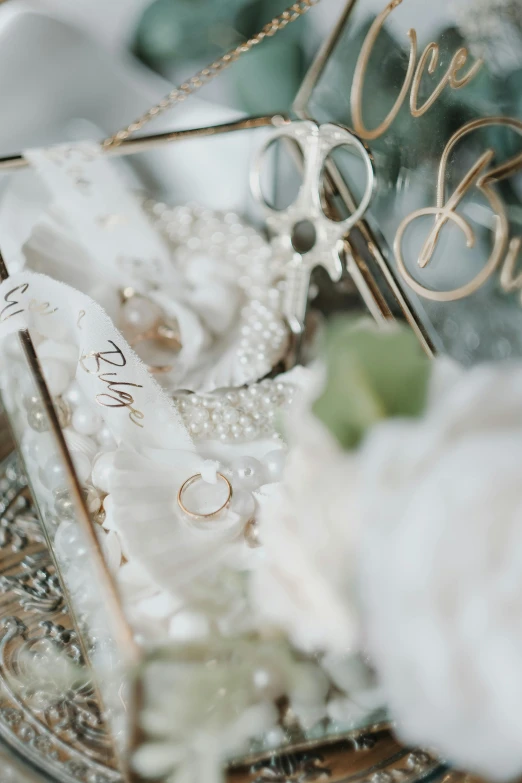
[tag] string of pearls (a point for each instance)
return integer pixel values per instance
(235, 415)
(193, 231)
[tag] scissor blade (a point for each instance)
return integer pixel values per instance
(296, 293)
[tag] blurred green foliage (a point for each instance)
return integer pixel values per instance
(174, 33)
(372, 374)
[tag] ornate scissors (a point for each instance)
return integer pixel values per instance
(316, 143)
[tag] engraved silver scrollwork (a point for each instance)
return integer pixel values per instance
(292, 768)
(59, 729)
(18, 520)
(61, 732)
(37, 587)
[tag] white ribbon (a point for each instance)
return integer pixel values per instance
(110, 374)
(105, 215)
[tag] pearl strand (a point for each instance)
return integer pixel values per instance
(191, 231)
(235, 415)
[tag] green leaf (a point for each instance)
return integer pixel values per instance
(371, 375)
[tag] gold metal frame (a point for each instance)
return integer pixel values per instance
(369, 238)
(120, 628)
(132, 654)
(145, 143)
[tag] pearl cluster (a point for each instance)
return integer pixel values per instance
(191, 231)
(235, 415)
(37, 417)
(263, 339)
(90, 442)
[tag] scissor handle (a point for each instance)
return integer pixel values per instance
(316, 143)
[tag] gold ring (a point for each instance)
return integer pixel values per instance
(193, 514)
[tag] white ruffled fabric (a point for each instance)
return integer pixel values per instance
(173, 550)
(204, 297)
(310, 526)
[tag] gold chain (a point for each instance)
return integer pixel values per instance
(206, 75)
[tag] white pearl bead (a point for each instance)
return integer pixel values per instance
(86, 420)
(140, 313)
(247, 472)
(243, 504)
(106, 439)
(56, 376)
(274, 463)
(73, 394)
(54, 474)
(40, 447)
(230, 416)
(199, 415)
(102, 471)
(69, 541)
(82, 465)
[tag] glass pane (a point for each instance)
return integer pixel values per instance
(421, 109)
(84, 582)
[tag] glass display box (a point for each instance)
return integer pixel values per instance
(433, 97)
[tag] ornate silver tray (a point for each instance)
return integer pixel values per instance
(62, 737)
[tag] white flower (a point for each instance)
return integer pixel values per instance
(441, 568)
(308, 530)
(357, 696)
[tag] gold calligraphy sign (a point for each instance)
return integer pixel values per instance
(482, 176)
(429, 61)
(115, 396)
(13, 299)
